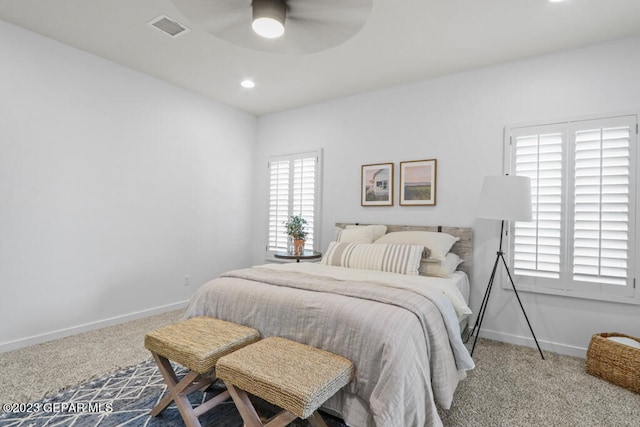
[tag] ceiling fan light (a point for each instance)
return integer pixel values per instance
(268, 18)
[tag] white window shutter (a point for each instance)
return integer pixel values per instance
(537, 244)
(304, 190)
(602, 205)
(278, 203)
(581, 241)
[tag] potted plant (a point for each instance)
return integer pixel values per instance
(297, 231)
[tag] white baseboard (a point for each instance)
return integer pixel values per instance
(554, 347)
(86, 327)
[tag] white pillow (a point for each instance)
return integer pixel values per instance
(438, 244)
(402, 259)
(355, 235)
(378, 230)
(441, 268)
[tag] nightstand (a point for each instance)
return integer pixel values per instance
(306, 255)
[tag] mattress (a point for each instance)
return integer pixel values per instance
(461, 281)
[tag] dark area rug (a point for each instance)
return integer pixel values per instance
(125, 398)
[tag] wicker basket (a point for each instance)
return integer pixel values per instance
(615, 362)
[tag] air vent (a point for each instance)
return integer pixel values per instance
(168, 26)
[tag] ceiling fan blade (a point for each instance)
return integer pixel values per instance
(221, 23)
(330, 4)
(326, 24)
(200, 11)
(308, 9)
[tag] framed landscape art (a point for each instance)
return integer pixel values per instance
(418, 183)
(377, 185)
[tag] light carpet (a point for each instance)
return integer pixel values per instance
(510, 386)
(30, 373)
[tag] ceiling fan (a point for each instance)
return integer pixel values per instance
(306, 26)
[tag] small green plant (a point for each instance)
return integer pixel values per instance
(297, 227)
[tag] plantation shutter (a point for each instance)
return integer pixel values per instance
(304, 190)
(278, 203)
(537, 244)
(602, 188)
(582, 238)
(293, 190)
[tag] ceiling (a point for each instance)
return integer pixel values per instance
(402, 41)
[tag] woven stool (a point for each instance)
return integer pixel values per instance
(290, 375)
(196, 344)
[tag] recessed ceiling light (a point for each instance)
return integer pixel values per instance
(556, 1)
(248, 84)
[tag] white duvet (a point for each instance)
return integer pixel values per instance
(446, 286)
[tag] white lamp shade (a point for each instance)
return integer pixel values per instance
(505, 197)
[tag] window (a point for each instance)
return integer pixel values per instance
(294, 189)
(581, 241)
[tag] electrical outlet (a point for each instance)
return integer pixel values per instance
(187, 280)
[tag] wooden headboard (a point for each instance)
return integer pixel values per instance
(462, 247)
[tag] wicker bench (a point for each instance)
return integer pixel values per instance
(293, 376)
(196, 344)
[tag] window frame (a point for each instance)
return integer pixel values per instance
(318, 154)
(565, 285)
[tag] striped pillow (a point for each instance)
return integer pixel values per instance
(393, 258)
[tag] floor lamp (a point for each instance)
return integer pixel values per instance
(506, 198)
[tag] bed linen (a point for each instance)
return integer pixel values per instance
(407, 352)
(455, 288)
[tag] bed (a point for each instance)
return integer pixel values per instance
(402, 330)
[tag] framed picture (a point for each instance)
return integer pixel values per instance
(377, 185)
(418, 183)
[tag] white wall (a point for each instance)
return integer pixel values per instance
(113, 187)
(459, 120)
